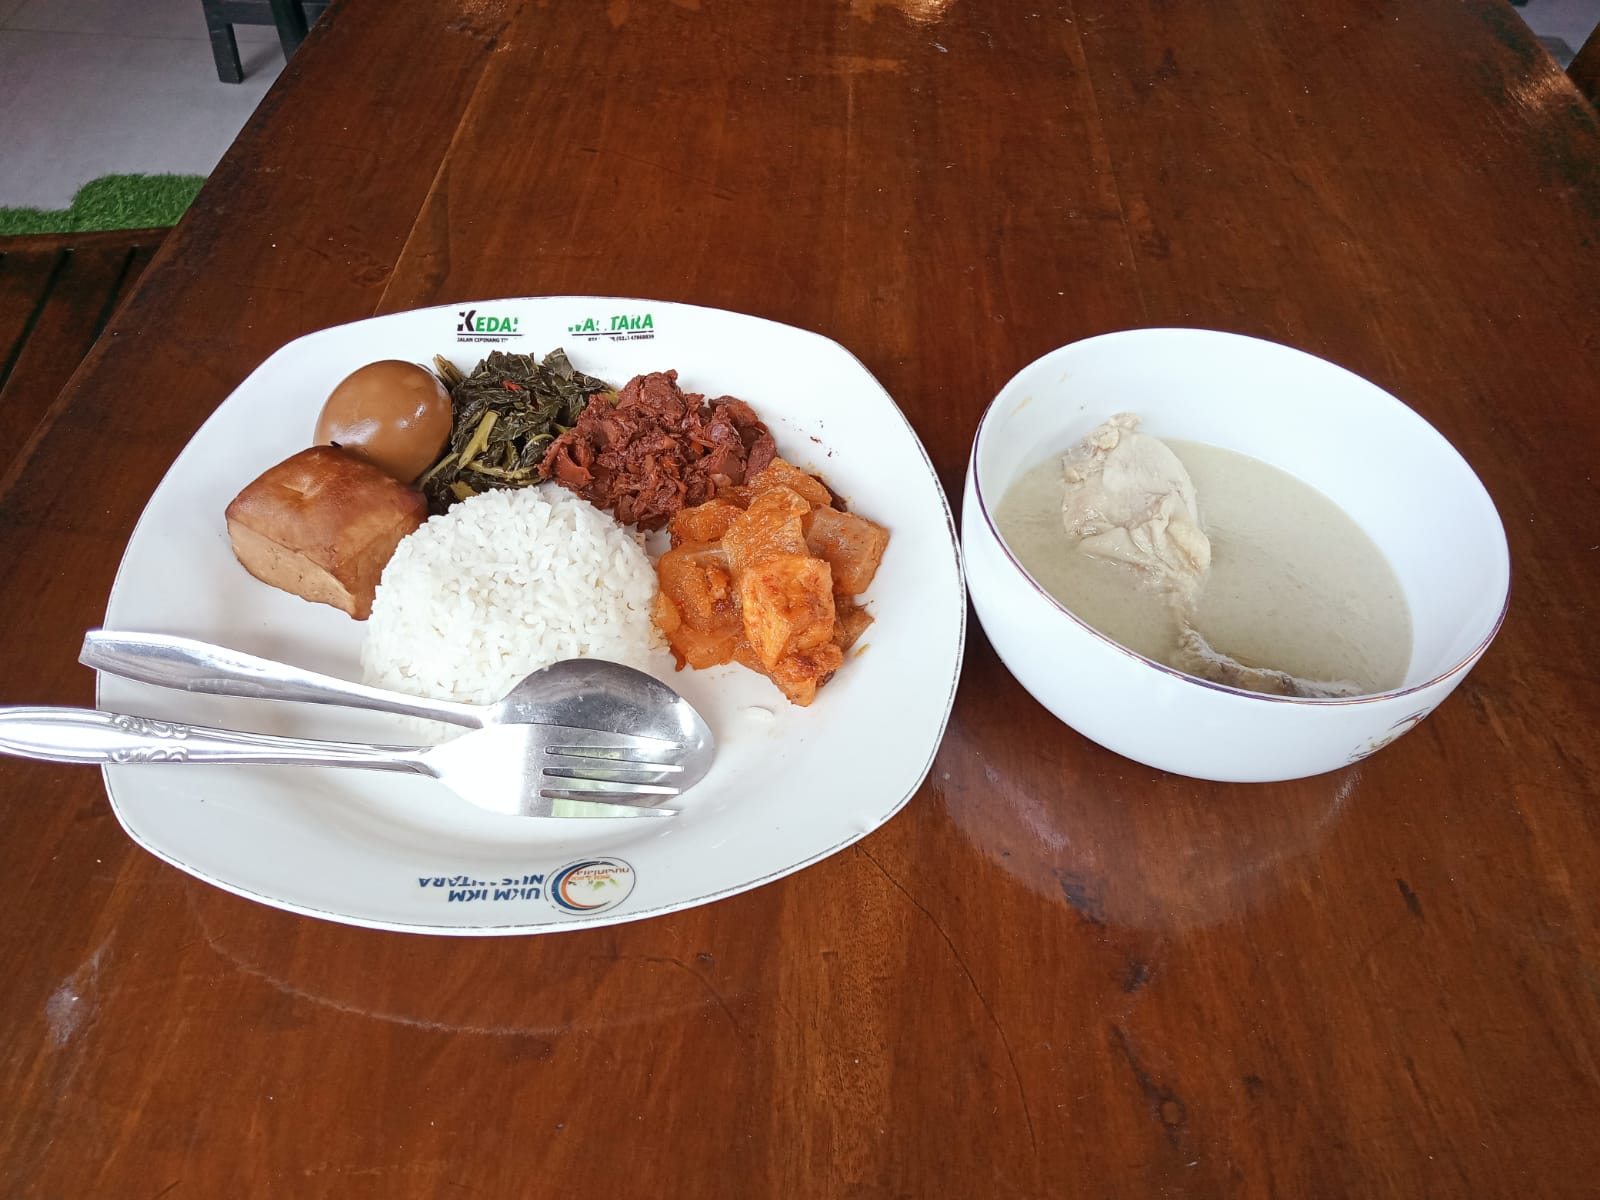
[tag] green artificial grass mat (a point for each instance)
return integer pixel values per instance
(110, 202)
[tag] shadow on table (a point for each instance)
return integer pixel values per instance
(1124, 844)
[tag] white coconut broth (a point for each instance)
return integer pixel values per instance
(1295, 584)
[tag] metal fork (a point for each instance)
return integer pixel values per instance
(517, 770)
(582, 693)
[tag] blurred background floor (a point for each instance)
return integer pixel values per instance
(99, 87)
(1562, 25)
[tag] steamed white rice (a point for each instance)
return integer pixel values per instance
(505, 583)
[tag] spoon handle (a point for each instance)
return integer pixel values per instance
(193, 666)
(85, 735)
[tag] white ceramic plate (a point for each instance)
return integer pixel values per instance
(790, 785)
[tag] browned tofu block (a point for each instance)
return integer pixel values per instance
(323, 525)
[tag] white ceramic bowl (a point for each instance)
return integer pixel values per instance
(1378, 460)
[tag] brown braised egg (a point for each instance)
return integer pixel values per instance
(394, 414)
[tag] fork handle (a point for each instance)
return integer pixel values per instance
(86, 735)
(193, 666)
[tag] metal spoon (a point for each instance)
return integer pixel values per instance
(579, 692)
(516, 770)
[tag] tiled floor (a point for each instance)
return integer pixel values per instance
(100, 87)
(96, 87)
(1562, 25)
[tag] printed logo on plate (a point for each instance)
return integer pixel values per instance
(614, 327)
(591, 885)
(485, 325)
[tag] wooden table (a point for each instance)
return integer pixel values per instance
(1056, 973)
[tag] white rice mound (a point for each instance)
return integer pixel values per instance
(504, 583)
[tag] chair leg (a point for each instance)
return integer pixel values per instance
(224, 47)
(1584, 69)
(291, 21)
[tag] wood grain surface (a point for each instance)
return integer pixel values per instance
(57, 291)
(1055, 973)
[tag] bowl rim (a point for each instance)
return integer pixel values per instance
(984, 510)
